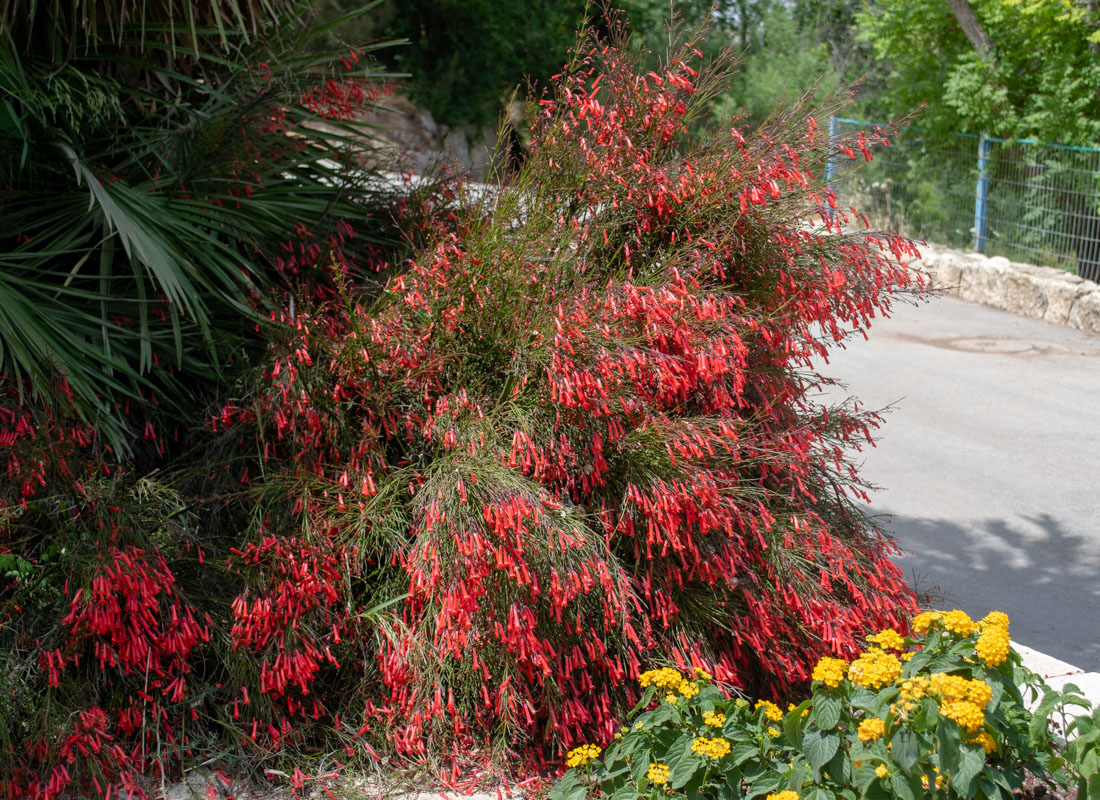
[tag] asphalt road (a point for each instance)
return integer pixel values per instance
(989, 464)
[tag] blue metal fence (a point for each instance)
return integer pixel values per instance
(1017, 198)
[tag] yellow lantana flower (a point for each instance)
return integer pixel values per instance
(979, 693)
(580, 756)
(658, 773)
(830, 671)
(713, 748)
(995, 619)
(923, 621)
(714, 719)
(986, 741)
(965, 713)
(871, 729)
(688, 688)
(948, 687)
(959, 622)
(888, 639)
(874, 669)
(771, 710)
(661, 678)
(992, 645)
(914, 687)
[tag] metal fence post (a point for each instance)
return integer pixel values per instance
(830, 162)
(981, 194)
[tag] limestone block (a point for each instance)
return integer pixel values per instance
(1085, 314)
(1060, 297)
(948, 271)
(928, 257)
(983, 282)
(1024, 294)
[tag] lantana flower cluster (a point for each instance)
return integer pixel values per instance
(938, 718)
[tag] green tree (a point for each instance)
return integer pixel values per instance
(466, 57)
(1019, 68)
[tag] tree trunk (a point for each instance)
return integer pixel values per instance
(1092, 10)
(972, 27)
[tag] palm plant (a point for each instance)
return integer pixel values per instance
(161, 162)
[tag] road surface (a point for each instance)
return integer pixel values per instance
(989, 464)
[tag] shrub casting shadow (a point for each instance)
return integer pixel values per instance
(1045, 578)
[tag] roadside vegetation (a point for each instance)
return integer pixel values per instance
(312, 466)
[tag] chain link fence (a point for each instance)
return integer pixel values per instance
(1020, 199)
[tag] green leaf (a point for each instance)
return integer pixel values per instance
(906, 750)
(646, 699)
(678, 749)
(864, 776)
(792, 724)
(625, 793)
(1089, 787)
(742, 752)
(817, 793)
(767, 782)
(561, 789)
(839, 767)
(865, 700)
(630, 742)
(903, 787)
(819, 747)
(972, 763)
(661, 714)
(9, 119)
(949, 743)
(827, 711)
(639, 764)
(683, 770)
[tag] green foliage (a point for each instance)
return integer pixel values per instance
(151, 188)
(467, 57)
(1082, 749)
(787, 49)
(784, 62)
(1039, 81)
(902, 721)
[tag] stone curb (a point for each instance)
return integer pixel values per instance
(1042, 293)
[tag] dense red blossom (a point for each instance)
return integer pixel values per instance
(579, 427)
(574, 437)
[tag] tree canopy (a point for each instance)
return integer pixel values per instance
(1028, 68)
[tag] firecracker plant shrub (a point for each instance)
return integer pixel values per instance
(578, 430)
(941, 713)
(460, 506)
(159, 179)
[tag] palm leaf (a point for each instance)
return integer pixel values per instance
(108, 266)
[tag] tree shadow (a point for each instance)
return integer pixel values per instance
(1045, 578)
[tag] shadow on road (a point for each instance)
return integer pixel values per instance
(1045, 578)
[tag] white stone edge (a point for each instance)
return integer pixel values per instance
(1044, 293)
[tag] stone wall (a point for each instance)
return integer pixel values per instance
(1037, 292)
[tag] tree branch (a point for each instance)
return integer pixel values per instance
(972, 27)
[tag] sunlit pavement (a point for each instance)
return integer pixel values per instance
(989, 464)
